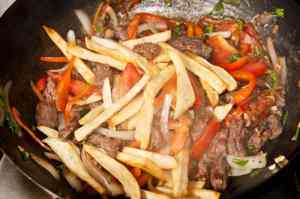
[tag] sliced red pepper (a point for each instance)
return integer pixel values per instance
(41, 84)
(198, 30)
(77, 86)
(235, 65)
(206, 137)
(256, 67)
(54, 59)
(190, 29)
(62, 91)
(145, 18)
(198, 92)
(249, 29)
(129, 77)
(242, 94)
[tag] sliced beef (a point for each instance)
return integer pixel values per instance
(194, 45)
(157, 140)
(102, 71)
(110, 145)
(274, 124)
(46, 115)
(219, 174)
(257, 140)
(120, 33)
(67, 128)
(50, 91)
(236, 136)
(203, 169)
(148, 50)
(200, 121)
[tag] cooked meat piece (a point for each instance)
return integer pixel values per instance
(148, 50)
(120, 33)
(219, 24)
(201, 119)
(46, 115)
(66, 129)
(203, 173)
(274, 124)
(236, 136)
(110, 145)
(157, 140)
(217, 148)
(218, 174)
(194, 45)
(102, 71)
(257, 140)
(50, 91)
(76, 75)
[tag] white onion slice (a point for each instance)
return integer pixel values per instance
(71, 37)
(84, 20)
(222, 111)
(165, 114)
(122, 135)
(272, 51)
(239, 172)
(106, 93)
(225, 34)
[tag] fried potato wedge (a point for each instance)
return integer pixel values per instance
(212, 95)
(142, 163)
(91, 115)
(180, 174)
(128, 111)
(46, 165)
(80, 66)
(144, 124)
(49, 132)
(163, 57)
(88, 128)
(95, 97)
(152, 195)
(155, 38)
(163, 161)
(119, 171)
(94, 57)
(70, 157)
(222, 111)
(185, 96)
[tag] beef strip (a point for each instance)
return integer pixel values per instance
(102, 71)
(50, 91)
(66, 129)
(148, 50)
(236, 136)
(110, 145)
(157, 140)
(46, 115)
(218, 174)
(192, 44)
(200, 121)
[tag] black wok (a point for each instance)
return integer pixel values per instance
(22, 41)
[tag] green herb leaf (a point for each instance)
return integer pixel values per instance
(11, 124)
(234, 57)
(24, 154)
(178, 29)
(83, 112)
(257, 51)
(208, 29)
(279, 12)
(273, 79)
(218, 8)
(232, 2)
(285, 118)
(296, 136)
(240, 162)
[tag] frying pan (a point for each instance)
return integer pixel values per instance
(22, 41)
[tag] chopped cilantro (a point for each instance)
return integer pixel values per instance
(83, 112)
(285, 118)
(178, 29)
(234, 57)
(279, 12)
(273, 79)
(208, 29)
(240, 162)
(232, 2)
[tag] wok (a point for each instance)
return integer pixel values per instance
(23, 41)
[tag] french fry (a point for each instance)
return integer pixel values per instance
(155, 38)
(94, 57)
(142, 163)
(46, 165)
(180, 174)
(106, 93)
(152, 195)
(164, 189)
(162, 65)
(95, 97)
(222, 111)
(49, 132)
(163, 57)
(80, 66)
(131, 123)
(143, 127)
(230, 82)
(119, 171)
(205, 193)
(128, 111)
(212, 95)
(185, 96)
(91, 115)
(71, 159)
(163, 161)
(87, 129)
(202, 72)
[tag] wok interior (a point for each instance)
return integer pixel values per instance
(23, 42)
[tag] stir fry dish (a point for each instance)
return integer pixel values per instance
(152, 107)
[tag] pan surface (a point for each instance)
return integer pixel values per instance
(23, 42)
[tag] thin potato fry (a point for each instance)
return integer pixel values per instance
(143, 127)
(91, 115)
(88, 128)
(128, 111)
(163, 57)
(162, 65)
(185, 96)
(46, 165)
(49, 132)
(95, 97)
(163, 161)
(202, 72)
(222, 111)
(131, 123)
(230, 82)
(212, 95)
(180, 173)
(163, 189)
(106, 93)
(152, 195)
(94, 57)
(80, 66)
(142, 163)
(205, 194)
(73, 180)
(71, 159)
(155, 38)
(119, 171)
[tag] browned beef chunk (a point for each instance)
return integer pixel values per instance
(46, 115)
(67, 128)
(110, 145)
(148, 50)
(200, 121)
(218, 174)
(102, 71)
(274, 124)
(194, 45)
(203, 172)
(120, 33)
(257, 140)
(236, 136)
(50, 91)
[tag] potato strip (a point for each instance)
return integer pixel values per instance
(49, 132)
(87, 129)
(212, 95)
(152, 195)
(185, 96)
(71, 159)
(92, 114)
(80, 66)
(144, 124)
(119, 171)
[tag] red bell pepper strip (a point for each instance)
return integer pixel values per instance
(249, 29)
(41, 84)
(54, 59)
(235, 65)
(129, 77)
(242, 94)
(36, 91)
(62, 90)
(190, 29)
(198, 30)
(206, 137)
(256, 67)
(77, 86)
(145, 18)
